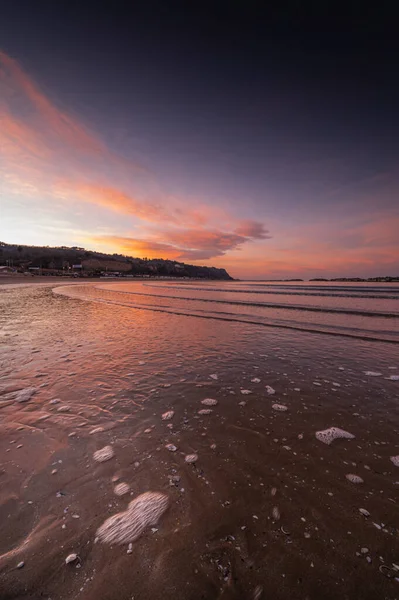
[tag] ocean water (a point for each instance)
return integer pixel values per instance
(254, 503)
(364, 311)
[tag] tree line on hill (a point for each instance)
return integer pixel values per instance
(63, 260)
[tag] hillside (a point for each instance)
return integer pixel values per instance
(79, 261)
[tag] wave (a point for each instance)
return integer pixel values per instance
(319, 309)
(360, 288)
(274, 292)
(360, 335)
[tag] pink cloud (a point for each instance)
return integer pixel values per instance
(46, 154)
(253, 229)
(182, 244)
(68, 130)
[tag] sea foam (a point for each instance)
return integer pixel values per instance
(327, 436)
(127, 526)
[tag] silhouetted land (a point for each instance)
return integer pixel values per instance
(62, 260)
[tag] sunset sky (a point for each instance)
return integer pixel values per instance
(266, 144)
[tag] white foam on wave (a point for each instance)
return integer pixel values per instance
(373, 373)
(127, 526)
(395, 460)
(327, 436)
(269, 390)
(205, 411)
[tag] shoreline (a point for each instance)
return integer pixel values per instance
(18, 279)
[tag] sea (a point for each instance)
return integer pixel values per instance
(364, 311)
(199, 440)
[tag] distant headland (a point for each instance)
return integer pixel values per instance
(79, 262)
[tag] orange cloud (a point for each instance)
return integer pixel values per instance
(182, 244)
(17, 138)
(136, 248)
(59, 155)
(47, 155)
(117, 200)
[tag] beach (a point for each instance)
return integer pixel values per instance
(264, 508)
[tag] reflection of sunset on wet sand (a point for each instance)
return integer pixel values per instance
(137, 404)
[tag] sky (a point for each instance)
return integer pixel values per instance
(264, 140)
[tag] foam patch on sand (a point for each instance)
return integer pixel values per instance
(96, 430)
(327, 436)
(191, 458)
(121, 489)
(395, 460)
(279, 407)
(209, 402)
(354, 478)
(171, 447)
(270, 390)
(104, 454)
(168, 415)
(127, 526)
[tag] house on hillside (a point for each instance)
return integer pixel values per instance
(6, 270)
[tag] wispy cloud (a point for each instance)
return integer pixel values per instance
(179, 244)
(16, 85)
(47, 154)
(253, 230)
(160, 210)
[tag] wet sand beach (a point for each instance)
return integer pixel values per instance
(104, 397)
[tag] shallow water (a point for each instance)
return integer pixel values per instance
(266, 509)
(365, 311)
